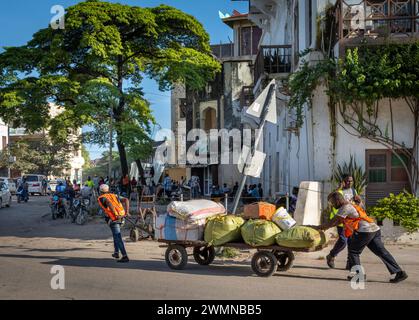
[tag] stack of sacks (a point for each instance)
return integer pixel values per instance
(185, 221)
(259, 232)
(223, 229)
(301, 237)
(195, 209)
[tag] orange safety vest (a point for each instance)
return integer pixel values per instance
(119, 208)
(352, 224)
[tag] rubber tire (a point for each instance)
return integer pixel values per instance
(54, 214)
(79, 220)
(204, 255)
(134, 235)
(1, 203)
(183, 257)
(285, 260)
(9, 203)
(272, 261)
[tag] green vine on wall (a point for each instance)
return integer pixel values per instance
(356, 85)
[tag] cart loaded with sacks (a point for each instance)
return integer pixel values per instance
(265, 261)
(203, 225)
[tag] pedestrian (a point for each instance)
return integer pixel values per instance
(90, 182)
(349, 193)
(115, 214)
(167, 185)
(96, 182)
(125, 185)
(363, 232)
(44, 186)
(260, 191)
(293, 200)
(235, 188)
(195, 186)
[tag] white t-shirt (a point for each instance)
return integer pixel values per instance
(349, 210)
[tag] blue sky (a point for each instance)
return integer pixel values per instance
(19, 19)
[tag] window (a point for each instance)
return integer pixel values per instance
(398, 172)
(4, 142)
(378, 168)
(249, 40)
(386, 174)
(245, 41)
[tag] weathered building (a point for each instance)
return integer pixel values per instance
(220, 104)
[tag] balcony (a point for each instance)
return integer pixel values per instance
(224, 50)
(377, 19)
(273, 61)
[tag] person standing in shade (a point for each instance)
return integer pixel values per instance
(115, 214)
(260, 191)
(363, 232)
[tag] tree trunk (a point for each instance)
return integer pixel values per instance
(117, 115)
(140, 171)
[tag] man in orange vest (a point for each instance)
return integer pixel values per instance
(115, 213)
(363, 232)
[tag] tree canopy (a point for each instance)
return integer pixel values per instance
(94, 68)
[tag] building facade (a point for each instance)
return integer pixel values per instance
(312, 152)
(220, 104)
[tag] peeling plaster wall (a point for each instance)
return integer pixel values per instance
(236, 75)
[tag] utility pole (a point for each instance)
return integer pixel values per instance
(110, 144)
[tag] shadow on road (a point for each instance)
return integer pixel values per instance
(320, 278)
(146, 265)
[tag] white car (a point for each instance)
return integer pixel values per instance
(34, 183)
(5, 195)
(11, 183)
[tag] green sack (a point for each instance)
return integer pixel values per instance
(223, 229)
(259, 232)
(301, 237)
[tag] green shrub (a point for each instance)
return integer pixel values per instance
(402, 208)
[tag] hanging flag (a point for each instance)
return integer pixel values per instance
(255, 110)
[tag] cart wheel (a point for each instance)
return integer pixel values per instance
(285, 260)
(204, 255)
(264, 263)
(134, 235)
(176, 257)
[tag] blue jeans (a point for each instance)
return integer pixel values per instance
(340, 244)
(117, 238)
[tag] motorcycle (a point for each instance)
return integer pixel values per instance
(58, 207)
(79, 211)
(21, 195)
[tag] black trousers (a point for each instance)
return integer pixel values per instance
(371, 240)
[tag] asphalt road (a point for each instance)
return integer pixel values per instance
(31, 244)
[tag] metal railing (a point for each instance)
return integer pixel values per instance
(272, 60)
(377, 18)
(223, 50)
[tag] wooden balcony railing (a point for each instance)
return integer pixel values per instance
(272, 60)
(377, 18)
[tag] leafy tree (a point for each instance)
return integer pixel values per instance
(86, 156)
(42, 157)
(94, 69)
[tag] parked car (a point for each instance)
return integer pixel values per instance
(5, 195)
(34, 183)
(11, 183)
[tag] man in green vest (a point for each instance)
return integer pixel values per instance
(350, 194)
